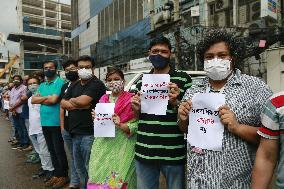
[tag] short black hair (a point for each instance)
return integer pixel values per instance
(86, 58)
(235, 45)
(34, 77)
(69, 62)
(160, 40)
(38, 73)
(20, 77)
(50, 61)
(113, 70)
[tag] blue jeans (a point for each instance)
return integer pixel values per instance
(19, 124)
(75, 179)
(40, 147)
(148, 175)
(82, 145)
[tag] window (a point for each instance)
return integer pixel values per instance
(88, 24)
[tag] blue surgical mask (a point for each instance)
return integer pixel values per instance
(159, 61)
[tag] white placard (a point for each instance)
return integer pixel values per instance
(155, 93)
(103, 123)
(6, 105)
(205, 129)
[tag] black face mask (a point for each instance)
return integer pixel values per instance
(49, 73)
(158, 61)
(72, 75)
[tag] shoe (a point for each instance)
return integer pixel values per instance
(33, 160)
(29, 148)
(32, 153)
(11, 140)
(22, 147)
(15, 143)
(51, 181)
(15, 147)
(73, 187)
(62, 181)
(39, 174)
(48, 175)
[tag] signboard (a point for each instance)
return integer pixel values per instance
(269, 8)
(194, 11)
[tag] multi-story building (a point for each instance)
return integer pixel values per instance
(45, 31)
(112, 31)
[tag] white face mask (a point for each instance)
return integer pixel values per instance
(115, 86)
(217, 69)
(85, 74)
(33, 87)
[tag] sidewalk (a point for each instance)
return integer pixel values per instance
(14, 172)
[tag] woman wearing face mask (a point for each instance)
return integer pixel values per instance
(244, 98)
(112, 159)
(35, 133)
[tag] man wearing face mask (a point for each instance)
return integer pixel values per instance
(245, 97)
(16, 107)
(160, 144)
(71, 74)
(48, 95)
(79, 100)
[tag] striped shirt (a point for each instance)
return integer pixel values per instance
(159, 140)
(230, 168)
(273, 128)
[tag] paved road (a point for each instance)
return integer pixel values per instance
(14, 173)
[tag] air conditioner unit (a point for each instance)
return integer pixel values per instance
(162, 17)
(220, 19)
(255, 8)
(257, 24)
(221, 5)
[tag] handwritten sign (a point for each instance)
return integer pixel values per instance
(155, 93)
(205, 129)
(103, 123)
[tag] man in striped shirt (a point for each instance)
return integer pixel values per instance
(271, 147)
(160, 145)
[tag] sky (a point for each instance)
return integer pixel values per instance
(9, 23)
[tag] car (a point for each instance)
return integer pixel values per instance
(133, 77)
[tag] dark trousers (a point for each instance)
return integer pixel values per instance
(19, 124)
(55, 145)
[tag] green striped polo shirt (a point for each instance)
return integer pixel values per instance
(159, 140)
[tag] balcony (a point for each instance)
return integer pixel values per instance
(50, 5)
(32, 10)
(37, 3)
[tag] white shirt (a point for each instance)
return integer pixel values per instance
(34, 118)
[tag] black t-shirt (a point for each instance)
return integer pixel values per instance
(63, 92)
(80, 121)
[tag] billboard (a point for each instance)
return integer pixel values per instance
(269, 9)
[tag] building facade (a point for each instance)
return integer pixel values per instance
(111, 31)
(45, 31)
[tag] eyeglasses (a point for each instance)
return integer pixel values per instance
(159, 51)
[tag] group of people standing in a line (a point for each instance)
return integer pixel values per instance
(146, 145)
